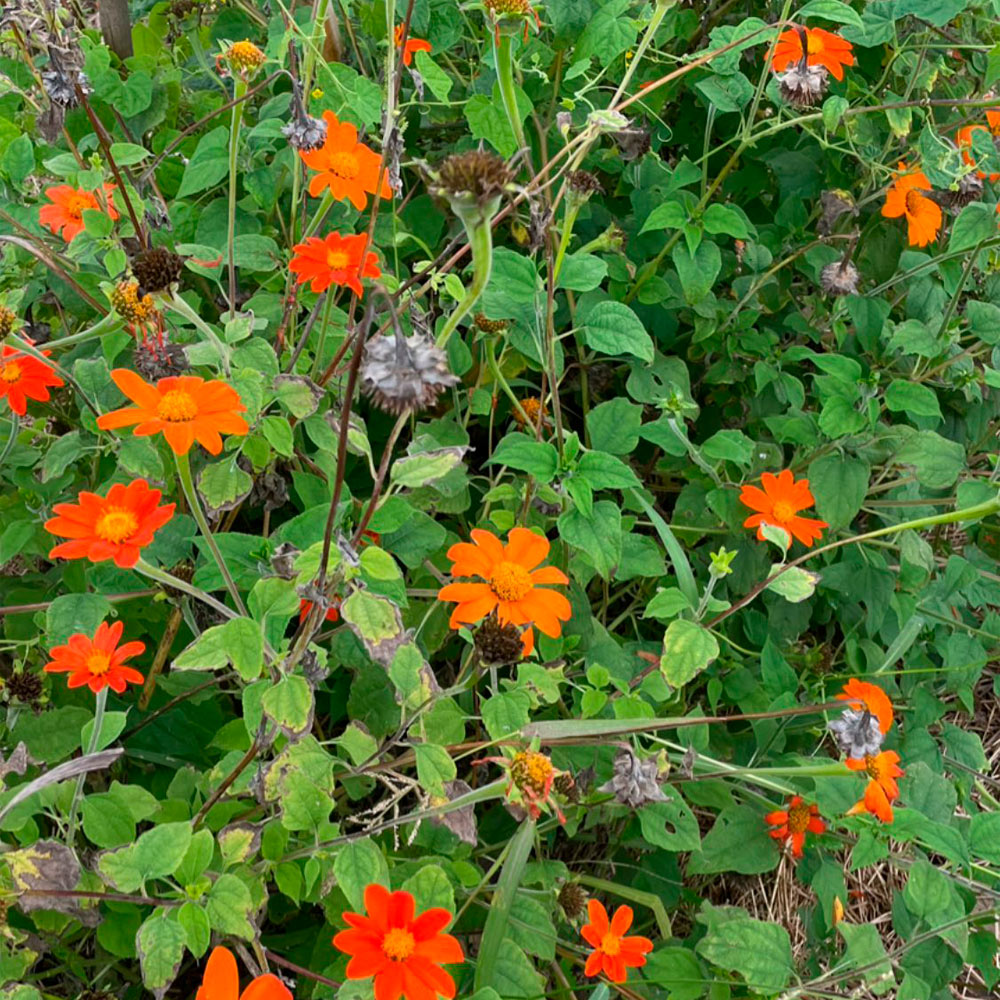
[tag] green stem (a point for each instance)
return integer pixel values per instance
(179, 306)
(234, 145)
(318, 353)
(109, 324)
(187, 484)
(569, 220)
(176, 583)
(95, 736)
(501, 380)
(659, 13)
(480, 234)
(503, 56)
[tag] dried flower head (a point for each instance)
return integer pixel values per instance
(7, 319)
(803, 86)
(634, 782)
(283, 560)
(490, 325)
(25, 686)
(573, 900)
(157, 269)
(633, 142)
(508, 8)
(968, 190)
(305, 133)
(840, 278)
(154, 361)
(857, 732)
(584, 183)
(534, 409)
(127, 303)
(404, 373)
(498, 643)
(60, 82)
(474, 176)
(270, 491)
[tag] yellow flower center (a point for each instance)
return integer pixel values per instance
(798, 818)
(76, 204)
(98, 663)
(245, 55)
(814, 44)
(177, 406)
(344, 165)
(914, 201)
(116, 524)
(531, 770)
(398, 944)
(10, 372)
(611, 944)
(783, 511)
(873, 767)
(337, 260)
(510, 582)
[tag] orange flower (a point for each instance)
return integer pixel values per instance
(778, 504)
(923, 215)
(512, 583)
(113, 527)
(412, 45)
(403, 952)
(963, 139)
(883, 769)
(863, 695)
(335, 260)
(347, 167)
(23, 377)
(993, 121)
(792, 823)
(613, 954)
(332, 612)
(222, 981)
(98, 662)
(67, 208)
(531, 779)
(823, 48)
(184, 408)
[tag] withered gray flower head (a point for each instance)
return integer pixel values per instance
(478, 175)
(857, 732)
(304, 132)
(803, 86)
(834, 203)
(969, 189)
(839, 278)
(404, 373)
(60, 86)
(635, 782)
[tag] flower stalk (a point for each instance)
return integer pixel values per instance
(480, 236)
(503, 57)
(234, 145)
(100, 702)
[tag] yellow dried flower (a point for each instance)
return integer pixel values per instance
(244, 57)
(128, 305)
(7, 317)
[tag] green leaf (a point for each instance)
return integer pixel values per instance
(60, 456)
(831, 10)
(73, 613)
(759, 952)
(530, 927)
(224, 484)
(697, 271)
(19, 159)
(197, 929)
(670, 825)
(605, 472)
(506, 713)
(937, 462)
(597, 535)
(582, 272)
(519, 451)
(208, 165)
(427, 467)
(737, 842)
(356, 865)
(687, 650)
(984, 837)
(239, 642)
(155, 854)
(668, 215)
(866, 953)
(228, 906)
(667, 603)
(289, 703)
(434, 767)
(52, 735)
(612, 328)
(126, 154)
(912, 398)
(160, 943)
(728, 93)
(725, 219)
(488, 120)
(438, 82)
(795, 584)
(614, 426)
(430, 888)
(839, 483)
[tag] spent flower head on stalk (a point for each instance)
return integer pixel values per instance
(403, 374)
(157, 269)
(840, 277)
(473, 183)
(635, 782)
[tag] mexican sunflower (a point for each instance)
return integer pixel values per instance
(779, 503)
(221, 981)
(347, 167)
(512, 584)
(402, 951)
(613, 954)
(184, 408)
(65, 213)
(904, 198)
(963, 139)
(823, 48)
(332, 612)
(791, 824)
(863, 695)
(113, 527)
(97, 662)
(23, 377)
(412, 45)
(334, 260)
(882, 769)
